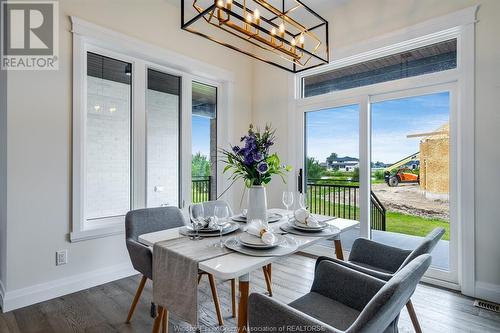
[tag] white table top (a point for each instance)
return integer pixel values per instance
(235, 264)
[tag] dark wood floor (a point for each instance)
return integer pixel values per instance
(104, 308)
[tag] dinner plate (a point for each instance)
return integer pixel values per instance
(271, 218)
(303, 227)
(256, 242)
(210, 230)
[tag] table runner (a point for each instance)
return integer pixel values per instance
(175, 273)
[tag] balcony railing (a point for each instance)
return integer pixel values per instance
(200, 191)
(343, 201)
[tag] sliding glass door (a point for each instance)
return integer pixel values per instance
(413, 171)
(387, 161)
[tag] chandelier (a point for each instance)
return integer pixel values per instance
(284, 33)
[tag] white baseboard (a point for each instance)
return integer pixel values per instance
(15, 299)
(488, 291)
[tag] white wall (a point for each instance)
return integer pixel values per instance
(359, 20)
(39, 145)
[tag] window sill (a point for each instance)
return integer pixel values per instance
(93, 230)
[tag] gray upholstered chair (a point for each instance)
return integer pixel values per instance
(341, 300)
(142, 221)
(383, 261)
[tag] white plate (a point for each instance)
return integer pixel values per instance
(302, 226)
(271, 218)
(256, 242)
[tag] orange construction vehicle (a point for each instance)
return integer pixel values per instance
(403, 175)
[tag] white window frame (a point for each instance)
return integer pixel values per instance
(459, 25)
(88, 37)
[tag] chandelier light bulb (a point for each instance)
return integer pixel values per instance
(256, 15)
(282, 28)
(301, 39)
(293, 42)
(249, 18)
(273, 31)
(220, 3)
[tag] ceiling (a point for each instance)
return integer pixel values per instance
(320, 6)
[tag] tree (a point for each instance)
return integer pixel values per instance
(200, 166)
(314, 169)
(331, 158)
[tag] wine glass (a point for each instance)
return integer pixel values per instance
(287, 200)
(221, 214)
(197, 217)
(303, 201)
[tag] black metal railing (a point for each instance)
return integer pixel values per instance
(200, 189)
(342, 200)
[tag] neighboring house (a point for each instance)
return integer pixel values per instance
(344, 164)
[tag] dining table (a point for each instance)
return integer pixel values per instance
(235, 265)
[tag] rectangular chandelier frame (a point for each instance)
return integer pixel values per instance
(299, 48)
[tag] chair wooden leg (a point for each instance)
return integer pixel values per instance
(199, 278)
(211, 279)
(268, 280)
(136, 298)
(233, 297)
(413, 317)
(164, 321)
(158, 320)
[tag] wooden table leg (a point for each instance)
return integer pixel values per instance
(244, 283)
(158, 320)
(233, 297)
(338, 249)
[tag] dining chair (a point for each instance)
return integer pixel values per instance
(142, 221)
(209, 208)
(383, 261)
(341, 300)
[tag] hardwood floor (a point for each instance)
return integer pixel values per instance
(104, 308)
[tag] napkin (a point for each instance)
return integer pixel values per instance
(209, 223)
(257, 228)
(303, 216)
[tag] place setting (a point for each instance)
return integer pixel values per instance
(304, 223)
(271, 217)
(259, 240)
(208, 226)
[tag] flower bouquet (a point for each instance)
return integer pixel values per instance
(254, 163)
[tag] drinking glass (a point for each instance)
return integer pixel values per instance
(303, 201)
(197, 217)
(221, 215)
(287, 200)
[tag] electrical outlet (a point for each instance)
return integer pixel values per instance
(61, 257)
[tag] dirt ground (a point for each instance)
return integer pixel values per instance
(407, 199)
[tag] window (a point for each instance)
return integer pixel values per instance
(132, 124)
(424, 60)
(162, 107)
(107, 139)
(204, 142)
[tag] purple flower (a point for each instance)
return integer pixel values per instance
(262, 167)
(257, 157)
(236, 149)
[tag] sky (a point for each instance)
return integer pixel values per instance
(337, 130)
(201, 135)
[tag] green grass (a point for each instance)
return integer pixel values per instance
(395, 222)
(414, 225)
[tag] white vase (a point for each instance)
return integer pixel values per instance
(257, 204)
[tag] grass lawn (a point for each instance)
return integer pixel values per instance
(395, 222)
(414, 225)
